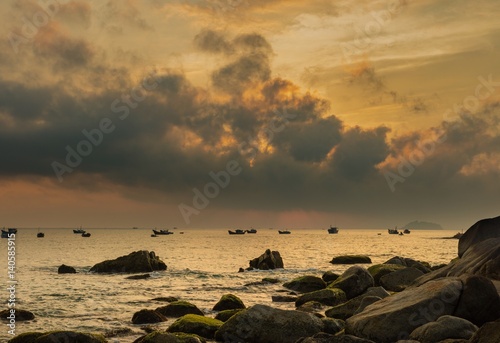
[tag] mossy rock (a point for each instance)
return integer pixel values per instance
(305, 284)
(351, 259)
(198, 325)
(330, 297)
(226, 314)
(270, 280)
(166, 299)
(330, 276)
(165, 337)
(148, 317)
(379, 270)
(58, 336)
(229, 302)
(178, 309)
(27, 337)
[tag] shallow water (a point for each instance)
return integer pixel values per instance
(202, 266)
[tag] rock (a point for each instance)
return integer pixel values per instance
(312, 307)
(223, 316)
(229, 302)
(27, 337)
(488, 333)
(348, 309)
(284, 298)
(424, 267)
(400, 279)
(396, 316)
(330, 297)
(166, 299)
(443, 328)
(479, 302)
(64, 269)
(178, 309)
(58, 336)
(330, 276)
(332, 326)
(366, 302)
(265, 324)
(351, 259)
(379, 270)
(138, 277)
(268, 260)
(165, 337)
(354, 281)
(117, 332)
(147, 317)
(198, 325)
(305, 284)
(263, 282)
(137, 262)
(479, 232)
(328, 338)
(21, 315)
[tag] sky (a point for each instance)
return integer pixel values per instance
(239, 113)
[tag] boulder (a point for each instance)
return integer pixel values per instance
(229, 302)
(137, 262)
(479, 232)
(138, 277)
(354, 281)
(265, 324)
(178, 309)
(332, 326)
(444, 328)
(400, 279)
(64, 269)
(366, 302)
(223, 316)
(148, 317)
(21, 315)
(268, 260)
(328, 338)
(396, 316)
(284, 298)
(488, 333)
(166, 299)
(350, 259)
(379, 270)
(330, 276)
(165, 337)
(330, 297)
(198, 325)
(348, 308)
(58, 336)
(305, 284)
(264, 282)
(313, 307)
(408, 262)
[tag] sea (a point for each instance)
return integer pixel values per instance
(202, 266)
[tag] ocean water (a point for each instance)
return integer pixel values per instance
(202, 266)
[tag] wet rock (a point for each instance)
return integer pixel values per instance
(479, 232)
(379, 270)
(166, 299)
(178, 309)
(223, 316)
(443, 328)
(400, 279)
(198, 325)
(354, 281)
(330, 276)
(147, 317)
(137, 262)
(351, 259)
(20, 315)
(284, 298)
(64, 269)
(268, 260)
(330, 297)
(138, 277)
(348, 308)
(305, 284)
(229, 302)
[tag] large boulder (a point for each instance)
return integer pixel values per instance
(137, 262)
(354, 281)
(265, 324)
(305, 284)
(198, 325)
(480, 231)
(58, 336)
(444, 328)
(223, 316)
(350, 259)
(396, 316)
(379, 270)
(165, 337)
(147, 317)
(178, 309)
(330, 276)
(409, 262)
(400, 279)
(328, 338)
(229, 302)
(488, 333)
(268, 260)
(64, 269)
(330, 297)
(347, 309)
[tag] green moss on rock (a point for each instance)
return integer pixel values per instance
(195, 324)
(226, 314)
(229, 302)
(305, 284)
(178, 309)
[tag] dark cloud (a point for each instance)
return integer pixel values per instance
(214, 42)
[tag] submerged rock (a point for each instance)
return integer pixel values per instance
(479, 232)
(64, 269)
(20, 315)
(229, 302)
(444, 328)
(354, 281)
(178, 309)
(198, 325)
(351, 259)
(305, 284)
(137, 262)
(138, 277)
(268, 260)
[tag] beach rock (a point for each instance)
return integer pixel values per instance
(396, 316)
(138, 277)
(118, 332)
(444, 328)
(147, 317)
(379, 270)
(479, 232)
(330, 276)
(332, 326)
(268, 260)
(284, 298)
(328, 338)
(348, 308)
(27, 337)
(312, 307)
(20, 315)
(58, 336)
(354, 281)
(64, 269)
(400, 279)
(165, 337)
(166, 299)
(330, 297)
(305, 284)
(424, 267)
(223, 316)
(137, 262)
(229, 302)
(198, 325)
(350, 259)
(366, 302)
(265, 324)
(178, 309)
(265, 281)
(488, 333)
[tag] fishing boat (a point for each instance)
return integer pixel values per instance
(79, 231)
(86, 234)
(284, 232)
(162, 232)
(333, 229)
(406, 232)
(8, 232)
(40, 234)
(252, 231)
(236, 232)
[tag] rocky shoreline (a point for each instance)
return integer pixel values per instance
(401, 300)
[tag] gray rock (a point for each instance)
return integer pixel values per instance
(354, 281)
(395, 317)
(265, 324)
(348, 309)
(444, 328)
(137, 262)
(178, 309)
(488, 333)
(64, 269)
(351, 259)
(330, 297)
(400, 279)
(366, 302)
(479, 232)
(268, 260)
(305, 284)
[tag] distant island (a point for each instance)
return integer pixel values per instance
(418, 225)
